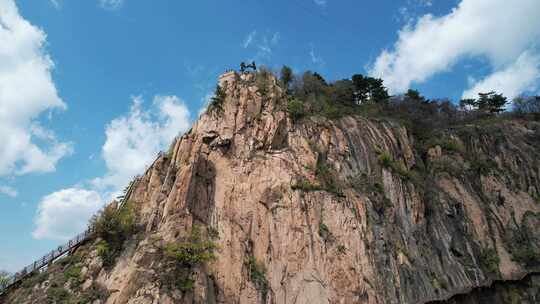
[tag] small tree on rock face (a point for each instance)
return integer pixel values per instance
(286, 76)
(216, 102)
(114, 226)
(4, 279)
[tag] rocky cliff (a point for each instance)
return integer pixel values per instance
(312, 211)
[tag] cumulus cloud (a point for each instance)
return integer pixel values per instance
(66, 212)
(494, 29)
(518, 77)
(132, 143)
(134, 140)
(26, 92)
(111, 4)
(9, 191)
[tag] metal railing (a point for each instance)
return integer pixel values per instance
(46, 259)
(70, 245)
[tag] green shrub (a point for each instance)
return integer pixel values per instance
(368, 184)
(361, 182)
(73, 273)
(186, 285)
(183, 257)
(4, 279)
(213, 233)
(331, 110)
(386, 161)
(437, 284)
(114, 226)
(521, 242)
(257, 275)
(193, 252)
(490, 260)
(378, 187)
(374, 190)
(105, 253)
(305, 185)
(324, 232)
(526, 255)
(58, 295)
(448, 165)
(326, 176)
(95, 292)
(446, 144)
(482, 166)
(34, 279)
(296, 108)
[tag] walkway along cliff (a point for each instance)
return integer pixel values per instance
(251, 206)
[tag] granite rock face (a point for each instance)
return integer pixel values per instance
(331, 211)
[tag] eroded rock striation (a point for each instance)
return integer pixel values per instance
(324, 211)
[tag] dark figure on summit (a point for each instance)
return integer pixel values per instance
(244, 67)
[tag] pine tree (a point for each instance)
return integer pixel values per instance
(286, 76)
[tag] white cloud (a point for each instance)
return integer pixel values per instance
(320, 2)
(411, 9)
(518, 77)
(9, 191)
(249, 39)
(111, 4)
(64, 213)
(427, 3)
(316, 59)
(264, 44)
(132, 143)
(56, 3)
(275, 38)
(498, 30)
(26, 91)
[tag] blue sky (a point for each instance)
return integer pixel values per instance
(91, 90)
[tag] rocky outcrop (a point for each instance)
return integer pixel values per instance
(329, 211)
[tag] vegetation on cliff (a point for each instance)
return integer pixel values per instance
(182, 258)
(113, 226)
